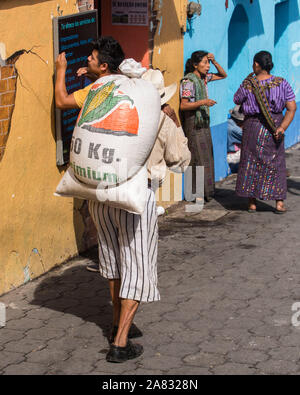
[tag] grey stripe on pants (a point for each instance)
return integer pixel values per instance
(128, 248)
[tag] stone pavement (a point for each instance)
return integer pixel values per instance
(228, 280)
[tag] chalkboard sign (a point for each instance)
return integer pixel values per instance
(73, 34)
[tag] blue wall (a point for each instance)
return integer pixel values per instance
(234, 36)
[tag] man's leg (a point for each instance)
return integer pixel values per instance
(134, 331)
(138, 251)
(122, 349)
(128, 311)
(114, 287)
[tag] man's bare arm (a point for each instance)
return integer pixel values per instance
(62, 99)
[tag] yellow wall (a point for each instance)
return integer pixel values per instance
(36, 229)
(168, 57)
(168, 42)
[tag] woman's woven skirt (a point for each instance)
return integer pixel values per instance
(201, 147)
(262, 169)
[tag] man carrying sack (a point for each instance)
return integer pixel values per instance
(127, 241)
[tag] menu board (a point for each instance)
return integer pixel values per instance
(73, 34)
(133, 13)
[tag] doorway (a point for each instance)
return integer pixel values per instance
(280, 39)
(238, 53)
(133, 38)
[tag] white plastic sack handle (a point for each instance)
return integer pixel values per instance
(131, 68)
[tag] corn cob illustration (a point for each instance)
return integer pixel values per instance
(100, 102)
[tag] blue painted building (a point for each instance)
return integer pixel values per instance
(234, 35)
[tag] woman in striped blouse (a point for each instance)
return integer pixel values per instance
(195, 113)
(262, 170)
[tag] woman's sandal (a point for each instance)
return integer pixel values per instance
(283, 210)
(252, 210)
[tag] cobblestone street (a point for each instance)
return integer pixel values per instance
(228, 280)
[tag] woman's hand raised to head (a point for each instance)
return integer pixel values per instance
(211, 57)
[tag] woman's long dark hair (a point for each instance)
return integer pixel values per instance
(264, 59)
(196, 58)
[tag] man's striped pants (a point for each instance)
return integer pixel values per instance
(128, 248)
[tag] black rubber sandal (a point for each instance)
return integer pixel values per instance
(122, 354)
(280, 211)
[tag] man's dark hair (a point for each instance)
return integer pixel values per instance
(109, 51)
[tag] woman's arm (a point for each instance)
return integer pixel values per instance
(291, 108)
(186, 105)
(187, 94)
(240, 95)
(221, 72)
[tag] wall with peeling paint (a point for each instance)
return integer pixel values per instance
(37, 230)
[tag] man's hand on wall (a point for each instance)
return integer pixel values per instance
(61, 62)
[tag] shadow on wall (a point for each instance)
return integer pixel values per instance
(238, 52)
(257, 26)
(165, 25)
(84, 228)
(285, 13)
(238, 34)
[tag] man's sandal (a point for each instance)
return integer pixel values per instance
(118, 354)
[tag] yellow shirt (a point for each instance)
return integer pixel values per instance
(81, 95)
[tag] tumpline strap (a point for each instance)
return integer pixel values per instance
(262, 101)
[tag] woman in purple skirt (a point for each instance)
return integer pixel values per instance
(262, 170)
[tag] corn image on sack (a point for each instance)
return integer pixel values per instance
(113, 137)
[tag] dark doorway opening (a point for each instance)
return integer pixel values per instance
(238, 53)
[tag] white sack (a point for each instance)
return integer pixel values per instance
(130, 196)
(132, 68)
(115, 131)
(112, 140)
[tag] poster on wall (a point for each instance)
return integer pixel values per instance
(130, 13)
(73, 34)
